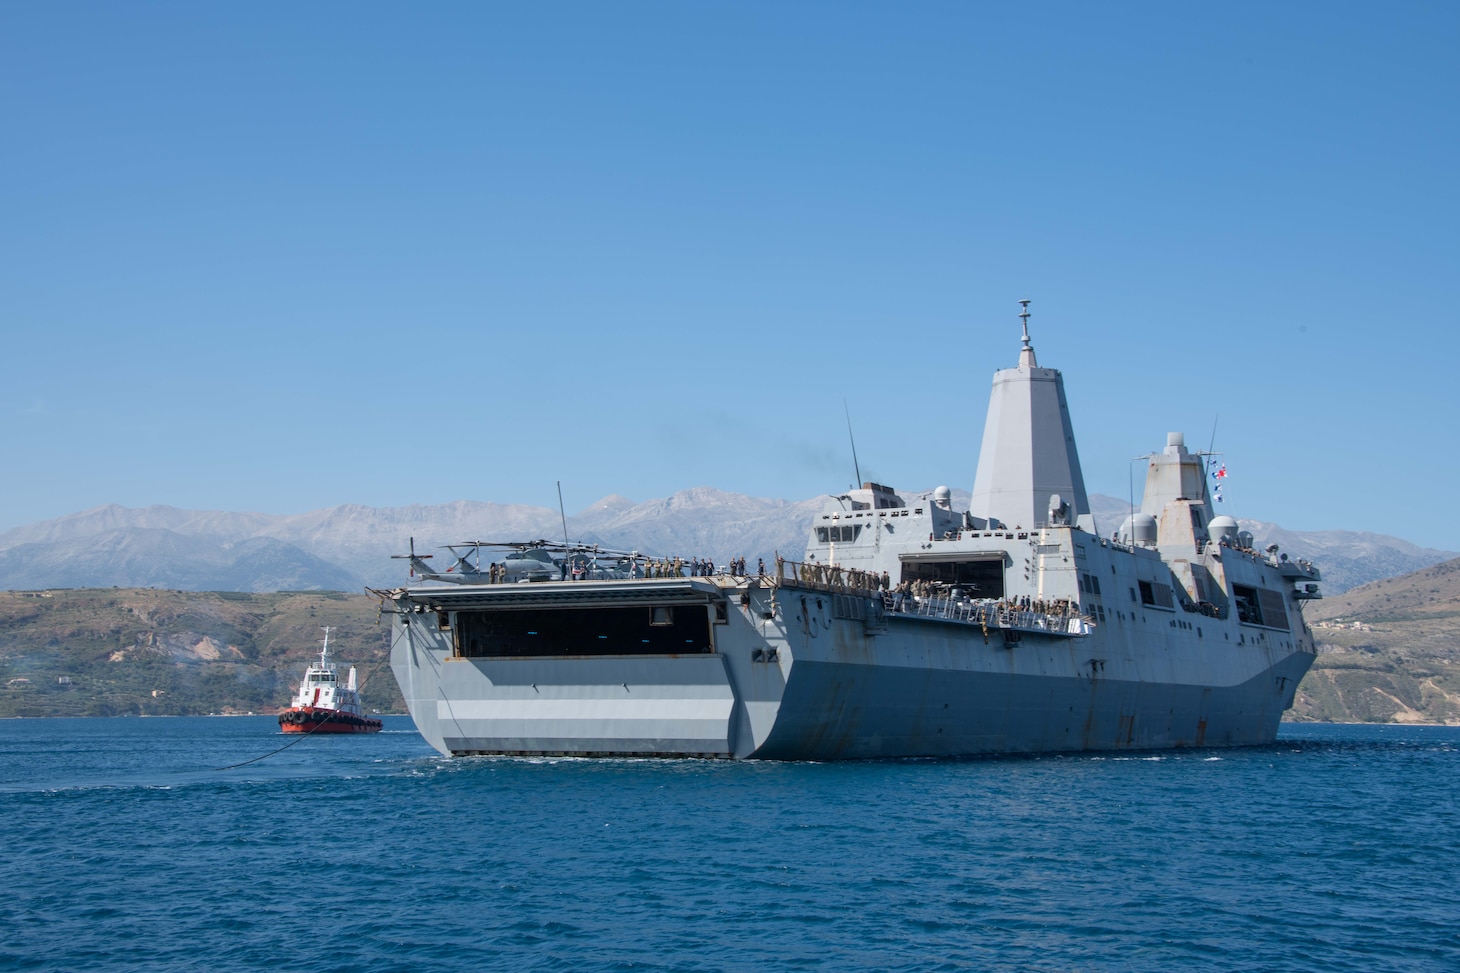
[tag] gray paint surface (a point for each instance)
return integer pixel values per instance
(1127, 645)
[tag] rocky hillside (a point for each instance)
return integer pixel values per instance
(1389, 651)
(141, 651)
(1429, 592)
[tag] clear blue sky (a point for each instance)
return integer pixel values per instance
(275, 256)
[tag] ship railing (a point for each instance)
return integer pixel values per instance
(824, 577)
(988, 614)
(1300, 569)
(969, 533)
(985, 613)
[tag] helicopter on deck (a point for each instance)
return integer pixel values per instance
(527, 561)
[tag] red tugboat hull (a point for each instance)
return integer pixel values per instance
(309, 719)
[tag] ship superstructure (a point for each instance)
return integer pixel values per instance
(908, 628)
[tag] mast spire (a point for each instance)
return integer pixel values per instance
(1026, 354)
(1028, 454)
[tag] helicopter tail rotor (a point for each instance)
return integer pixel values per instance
(413, 557)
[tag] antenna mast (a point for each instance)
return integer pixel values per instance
(1026, 354)
(855, 467)
(1213, 444)
(561, 513)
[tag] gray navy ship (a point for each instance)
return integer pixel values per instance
(907, 629)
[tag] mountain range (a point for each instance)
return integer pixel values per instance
(345, 547)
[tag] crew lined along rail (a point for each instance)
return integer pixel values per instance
(987, 614)
(932, 600)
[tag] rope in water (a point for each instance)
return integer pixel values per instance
(308, 733)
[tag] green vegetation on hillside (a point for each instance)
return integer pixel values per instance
(1389, 651)
(113, 652)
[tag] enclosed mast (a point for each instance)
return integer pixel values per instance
(1028, 465)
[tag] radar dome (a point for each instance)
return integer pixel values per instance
(1224, 526)
(1139, 529)
(943, 497)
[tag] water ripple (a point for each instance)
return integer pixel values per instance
(1330, 851)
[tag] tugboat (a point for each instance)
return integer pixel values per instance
(323, 705)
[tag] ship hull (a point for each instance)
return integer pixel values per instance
(838, 711)
(909, 628)
(316, 720)
(789, 678)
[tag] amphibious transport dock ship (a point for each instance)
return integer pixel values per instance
(909, 628)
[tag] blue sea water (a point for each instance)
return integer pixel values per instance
(122, 849)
